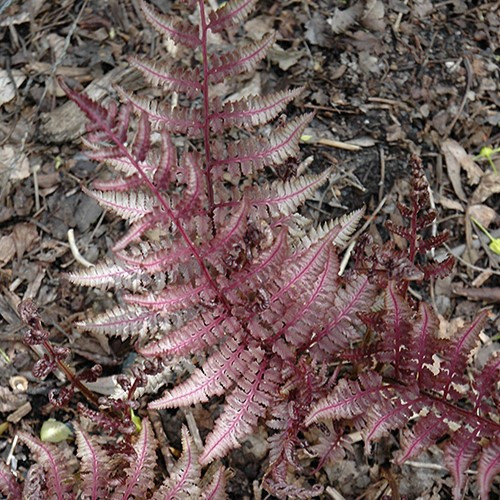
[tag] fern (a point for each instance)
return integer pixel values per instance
(218, 264)
(108, 470)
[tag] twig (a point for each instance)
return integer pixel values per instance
(464, 99)
(74, 250)
(338, 144)
(382, 173)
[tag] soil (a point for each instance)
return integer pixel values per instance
(384, 79)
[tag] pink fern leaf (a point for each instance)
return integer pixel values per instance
(422, 343)
(331, 446)
(457, 353)
(397, 327)
(485, 383)
(174, 79)
(9, 487)
(179, 31)
(183, 483)
(58, 478)
(283, 198)
(391, 414)
(128, 184)
(130, 205)
(137, 230)
(168, 160)
(244, 59)
(201, 332)
(177, 120)
(253, 111)
(142, 139)
(349, 398)
(94, 471)
(488, 467)
(459, 453)
(232, 12)
(218, 373)
(346, 224)
(424, 433)
(343, 328)
(173, 298)
(244, 406)
(106, 275)
(125, 322)
(141, 473)
(216, 488)
(282, 144)
(267, 264)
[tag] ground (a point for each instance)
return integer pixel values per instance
(385, 80)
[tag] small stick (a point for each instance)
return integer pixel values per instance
(338, 144)
(382, 173)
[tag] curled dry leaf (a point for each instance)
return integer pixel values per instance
(456, 158)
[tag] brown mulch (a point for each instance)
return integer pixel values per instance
(385, 79)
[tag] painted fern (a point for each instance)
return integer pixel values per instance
(218, 264)
(108, 470)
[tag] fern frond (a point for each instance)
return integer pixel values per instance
(232, 12)
(239, 60)
(183, 483)
(130, 205)
(284, 197)
(216, 489)
(391, 414)
(349, 398)
(218, 373)
(106, 275)
(424, 433)
(252, 154)
(341, 330)
(141, 472)
(9, 487)
(94, 472)
(177, 120)
(173, 79)
(488, 467)
(125, 322)
(201, 332)
(347, 224)
(244, 406)
(58, 477)
(457, 352)
(459, 453)
(179, 31)
(253, 111)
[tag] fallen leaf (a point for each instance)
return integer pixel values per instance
(285, 59)
(489, 185)
(14, 163)
(373, 15)
(451, 155)
(9, 85)
(7, 249)
(24, 235)
(342, 20)
(484, 214)
(449, 204)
